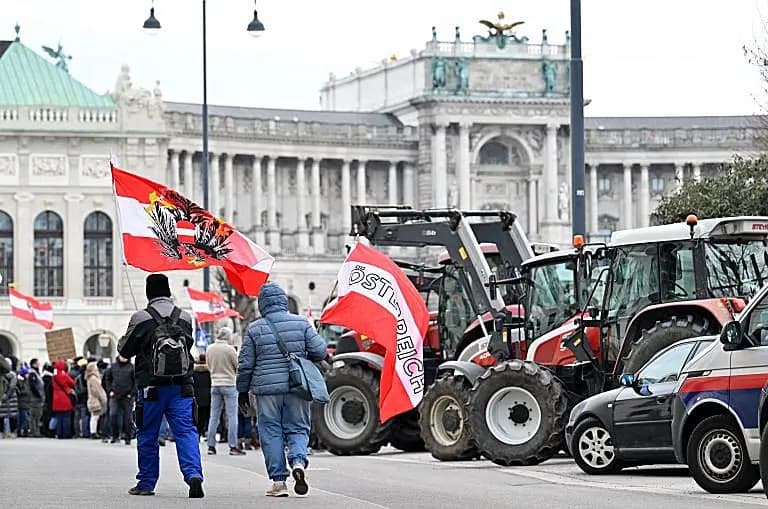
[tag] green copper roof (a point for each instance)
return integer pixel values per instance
(27, 79)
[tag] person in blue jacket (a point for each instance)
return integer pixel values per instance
(283, 418)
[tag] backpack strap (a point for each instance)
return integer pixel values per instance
(159, 320)
(280, 342)
(175, 315)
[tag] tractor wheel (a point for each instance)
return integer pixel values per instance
(405, 433)
(349, 423)
(660, 336)
(517, 412)
(442, 420)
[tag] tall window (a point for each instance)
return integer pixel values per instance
(6, 252)
(97, 255)
(49, 255)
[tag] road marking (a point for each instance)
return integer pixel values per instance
(566, 481)
(348, 497)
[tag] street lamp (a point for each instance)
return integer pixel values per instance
(255, 27)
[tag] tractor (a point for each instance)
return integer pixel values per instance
(349, 424)
(598, 311)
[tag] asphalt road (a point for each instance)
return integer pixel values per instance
(83, 474)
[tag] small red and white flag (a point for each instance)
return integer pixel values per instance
(375, 298)
(31, 310)
(162, 230)
(209, 306)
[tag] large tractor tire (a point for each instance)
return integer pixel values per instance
(660, 336)
(349, 424)
(404, 434)
(517, 413)
(442, 419)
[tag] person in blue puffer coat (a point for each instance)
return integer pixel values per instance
(283, 418)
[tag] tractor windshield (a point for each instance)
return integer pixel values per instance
(736, 267)
(552, 297)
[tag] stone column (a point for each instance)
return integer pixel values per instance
(175, 155)
(229, 188)
(409, 197)
(73, 251)
(257, 201)
(392, 184)
(346, 197)
(679, 175)
(318, 236)
(627, 212)
(594, 209)
(644, 191)
(463, 168)
(439, 168)
(696, 172)
(533, 206)
(361, 182)
(272, 231)
(189, 185)
(23, 244)
(301, 208)
(550, 176)
(213, 190)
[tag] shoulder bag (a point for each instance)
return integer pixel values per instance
(304, 377)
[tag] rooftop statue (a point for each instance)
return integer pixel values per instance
(549, 73)
(59, 56)
(498, 31)
(462, 76)
(438, 73)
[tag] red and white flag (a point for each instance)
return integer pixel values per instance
(209, 306)
(162, 230)
(31, 310)
(375, 298)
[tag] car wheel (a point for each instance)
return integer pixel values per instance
(593, 448)
(718, 458)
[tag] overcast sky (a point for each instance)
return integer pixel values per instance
(649, 57)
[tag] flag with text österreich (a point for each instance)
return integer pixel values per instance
(209, 306)
(375, 298)
(163, 230)
(31, 310)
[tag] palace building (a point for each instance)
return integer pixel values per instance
(480, 123)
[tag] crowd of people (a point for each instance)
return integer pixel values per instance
(243, 397)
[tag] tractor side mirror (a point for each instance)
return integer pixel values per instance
(732, 335)
(627, 380)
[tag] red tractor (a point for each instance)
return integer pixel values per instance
(598, 311)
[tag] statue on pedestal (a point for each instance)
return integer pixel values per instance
(497, 30)
(549, 73)
(462, 76)
(438, 73)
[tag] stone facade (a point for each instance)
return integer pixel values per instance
(466, 124)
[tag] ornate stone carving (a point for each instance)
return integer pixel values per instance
(562, 202)
(7, 166)
(94, 167)
(49, 166)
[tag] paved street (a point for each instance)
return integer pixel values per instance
(47, 473)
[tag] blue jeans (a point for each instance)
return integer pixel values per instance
(283, 421)
(220, 397)
(63, 424)
(23, 420)
(179, 411)
(83, 421)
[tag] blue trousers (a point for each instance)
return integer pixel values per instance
(283, 421)
(224, 396)
(178, 410)
(63, 424)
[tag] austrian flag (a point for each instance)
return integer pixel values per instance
(162, 230)
(209, 306)
(375, 298)
(31, 310)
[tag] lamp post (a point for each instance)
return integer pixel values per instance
(255, 28)
(577, 123)
(104, 343)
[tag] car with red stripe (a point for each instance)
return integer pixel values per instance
(716, 417)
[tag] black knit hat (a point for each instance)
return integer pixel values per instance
(157, 286)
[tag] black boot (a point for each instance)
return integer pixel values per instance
(195, 488)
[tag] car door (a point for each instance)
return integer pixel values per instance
(642, 415)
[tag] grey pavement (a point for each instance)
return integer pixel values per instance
(83, 474)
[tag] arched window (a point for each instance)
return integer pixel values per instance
(494, 152)
(49, 255)
(6, 252)
(97, 255)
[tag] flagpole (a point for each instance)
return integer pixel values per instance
(122, 248)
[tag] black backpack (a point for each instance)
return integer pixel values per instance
(81, 389)
(170, 354)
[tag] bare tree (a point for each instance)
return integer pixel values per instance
(243, 304)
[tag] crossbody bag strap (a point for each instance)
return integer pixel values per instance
(280, 342)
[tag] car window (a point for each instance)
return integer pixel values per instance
(667, 366)
(758, 324)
